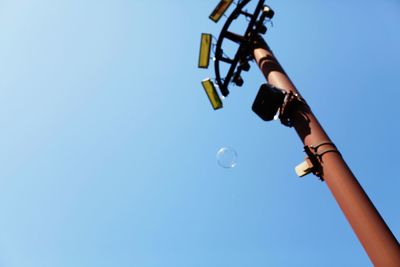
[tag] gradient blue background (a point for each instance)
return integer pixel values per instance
(108, 142)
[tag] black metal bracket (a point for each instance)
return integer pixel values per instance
(313, 162)
(293, 102)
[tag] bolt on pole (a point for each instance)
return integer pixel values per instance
(373, 233)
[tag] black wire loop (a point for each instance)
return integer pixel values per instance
(316, 157)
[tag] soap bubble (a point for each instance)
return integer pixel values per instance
(227, 157)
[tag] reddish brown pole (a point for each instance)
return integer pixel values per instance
(378, 241)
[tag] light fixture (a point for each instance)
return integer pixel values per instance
(205, 50)
(262, 29)
(268, 101)
(268, 12)
(244, 65)
(220, 10)
(212, 94)
(237, 79)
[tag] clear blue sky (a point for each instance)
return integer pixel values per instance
(108, 142)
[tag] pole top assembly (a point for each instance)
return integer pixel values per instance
(228, 69)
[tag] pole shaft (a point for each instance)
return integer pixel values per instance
(378, 241)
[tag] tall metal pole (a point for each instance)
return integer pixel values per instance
(378, 241)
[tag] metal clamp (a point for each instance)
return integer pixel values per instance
(313, 162)
(291, 103)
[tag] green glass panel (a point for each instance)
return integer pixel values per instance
(205, 49)
(212, 94)
(220, 10)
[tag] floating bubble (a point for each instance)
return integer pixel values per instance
(227, 157)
